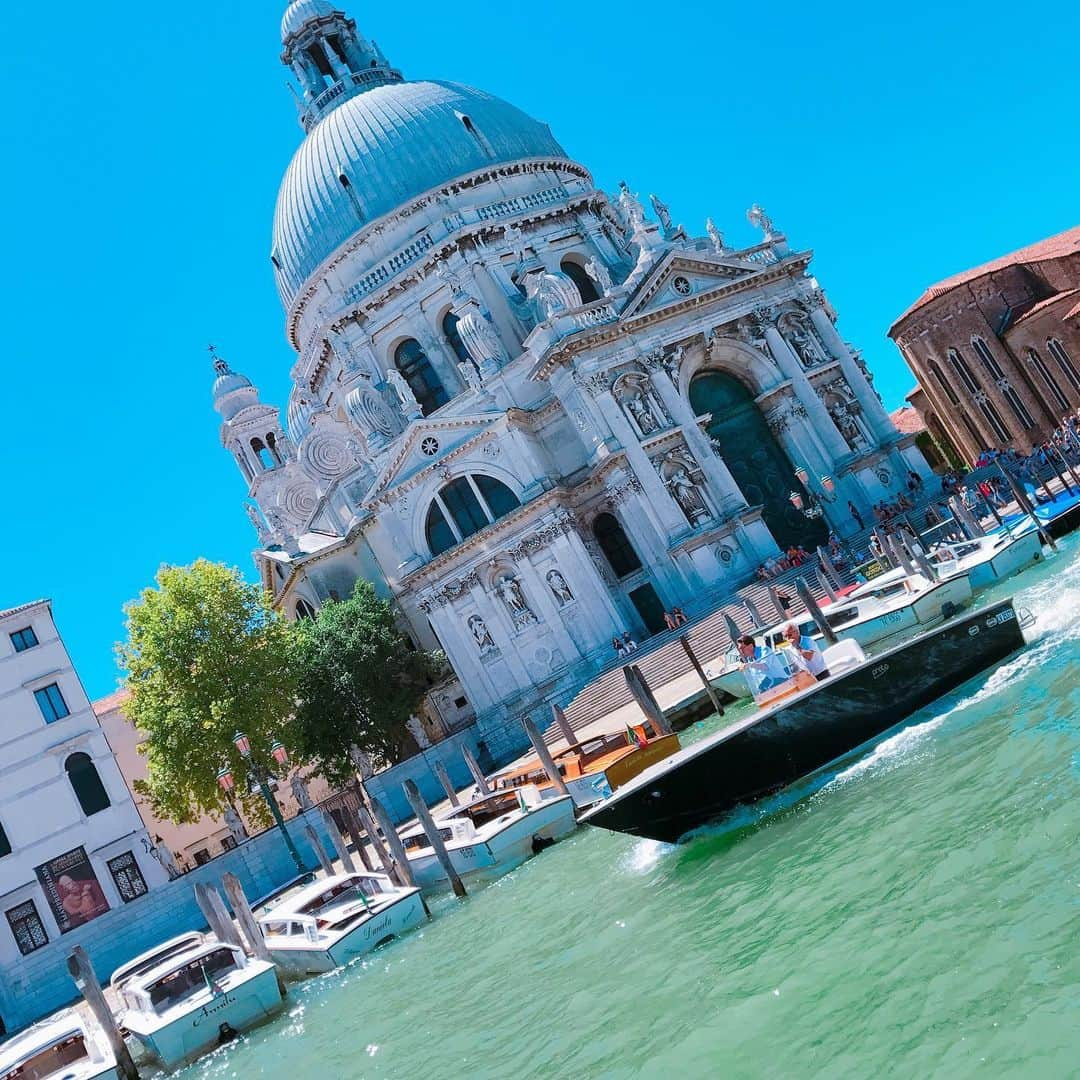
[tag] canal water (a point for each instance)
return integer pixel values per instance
(913, 912)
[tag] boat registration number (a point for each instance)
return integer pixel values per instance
(467, 852)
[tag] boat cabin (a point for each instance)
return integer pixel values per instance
(332, 904)
(155, 957)
(50, 1052)
(461, 824)
(162, 988)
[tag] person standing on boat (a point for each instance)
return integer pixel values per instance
(808, 649)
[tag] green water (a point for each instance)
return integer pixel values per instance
(914, 912)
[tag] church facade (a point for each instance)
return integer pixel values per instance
(532, 414)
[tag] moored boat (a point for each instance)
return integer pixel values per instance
(988, 558)
(595, 767)
(490, 835)
(326, 925)
(195, 999)
(64, 1047)
(809, 728)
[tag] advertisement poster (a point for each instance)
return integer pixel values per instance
(72, 889)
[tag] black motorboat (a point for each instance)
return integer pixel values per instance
(807, 730)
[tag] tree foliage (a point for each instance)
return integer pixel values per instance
(360, 680)
(206, 655)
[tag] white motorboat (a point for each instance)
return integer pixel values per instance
(989, 558)
(194, 999)
(889, 604)
(337, 919)
(64, 1047)
(490, 835)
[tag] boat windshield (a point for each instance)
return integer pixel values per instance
(418, 841)
(774, 669)
(494, 807)
(353, 889)
(51, 1061)
(199, 975)
(156, 958)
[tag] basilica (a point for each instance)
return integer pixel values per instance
(533, 413)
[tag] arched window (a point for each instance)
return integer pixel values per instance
(961, 368)
(272, 446)
(260, 450)
(411, 360)
(585, 284)
(465, 506)
(87, 785)
(1064, 361)
(1047, 377)
(993, 418)
(943, 382)
(615, 545)
(999, 379)
(450, 329)
(304, 610)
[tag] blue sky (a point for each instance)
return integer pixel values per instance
(146, 142)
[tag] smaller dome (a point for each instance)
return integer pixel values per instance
(231, 391)
(300, 12)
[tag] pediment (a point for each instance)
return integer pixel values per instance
(679, 277)
(426, 444)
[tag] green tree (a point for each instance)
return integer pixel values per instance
(360, 680)
(206, 655)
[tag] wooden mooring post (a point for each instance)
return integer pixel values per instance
(714, 698)
(439, 769)
(342, 849)
(431, 831)
(807, 597)
(477, 772)
(320, 851)
(402, 868)
(256, 943)
(82, 972)
(215, 914)
(644, 697)
(544, 754)
(565, 727)
(356, 834)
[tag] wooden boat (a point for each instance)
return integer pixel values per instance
(593, 768)
(989, 558)
(337, 919)
(490, 835)
(64, 1047)
(807, 729)
(195, 998)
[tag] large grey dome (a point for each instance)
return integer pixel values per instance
(382, 148)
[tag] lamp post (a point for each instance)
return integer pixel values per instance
(811, 506)
(281, 756)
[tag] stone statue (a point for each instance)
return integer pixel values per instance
(300, 792)
(447, 276)
(256, 519)
(234, 824)
(686, 494)
(362, 763)
(847, 425)
(639, 409)
(673, 362)
(416, 729)
(403, 392)
(514, 239)
(559, 588)
(277, 522)
(163, 853)
(631, 207)
(471, 375)
(510, 590)
(803, 343)
(715, 236)
(760, 220)
(663, 214)
(600, 274)
(552, 293)
(481, 634)
(481, 339)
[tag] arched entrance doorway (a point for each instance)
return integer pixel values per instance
(756, 460)
(624, 561)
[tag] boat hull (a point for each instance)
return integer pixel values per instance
(1017, 555)
(198, 1032)
(485, 860)
(768, 752)
(298, 961)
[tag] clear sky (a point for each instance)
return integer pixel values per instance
(145, 142)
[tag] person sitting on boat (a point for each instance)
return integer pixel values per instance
(808, 649)
(747, 650)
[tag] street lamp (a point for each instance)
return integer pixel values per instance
(811, 506)
(281, 756)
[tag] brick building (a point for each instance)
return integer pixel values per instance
(996, 349)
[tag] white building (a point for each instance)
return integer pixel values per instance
(72, 845)
(531, 416)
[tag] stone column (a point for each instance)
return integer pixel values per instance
(587, 420)
(834, 444)
(873, 411)
(463, 654)
(401, 542)
(725, 491)
(663, 508)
